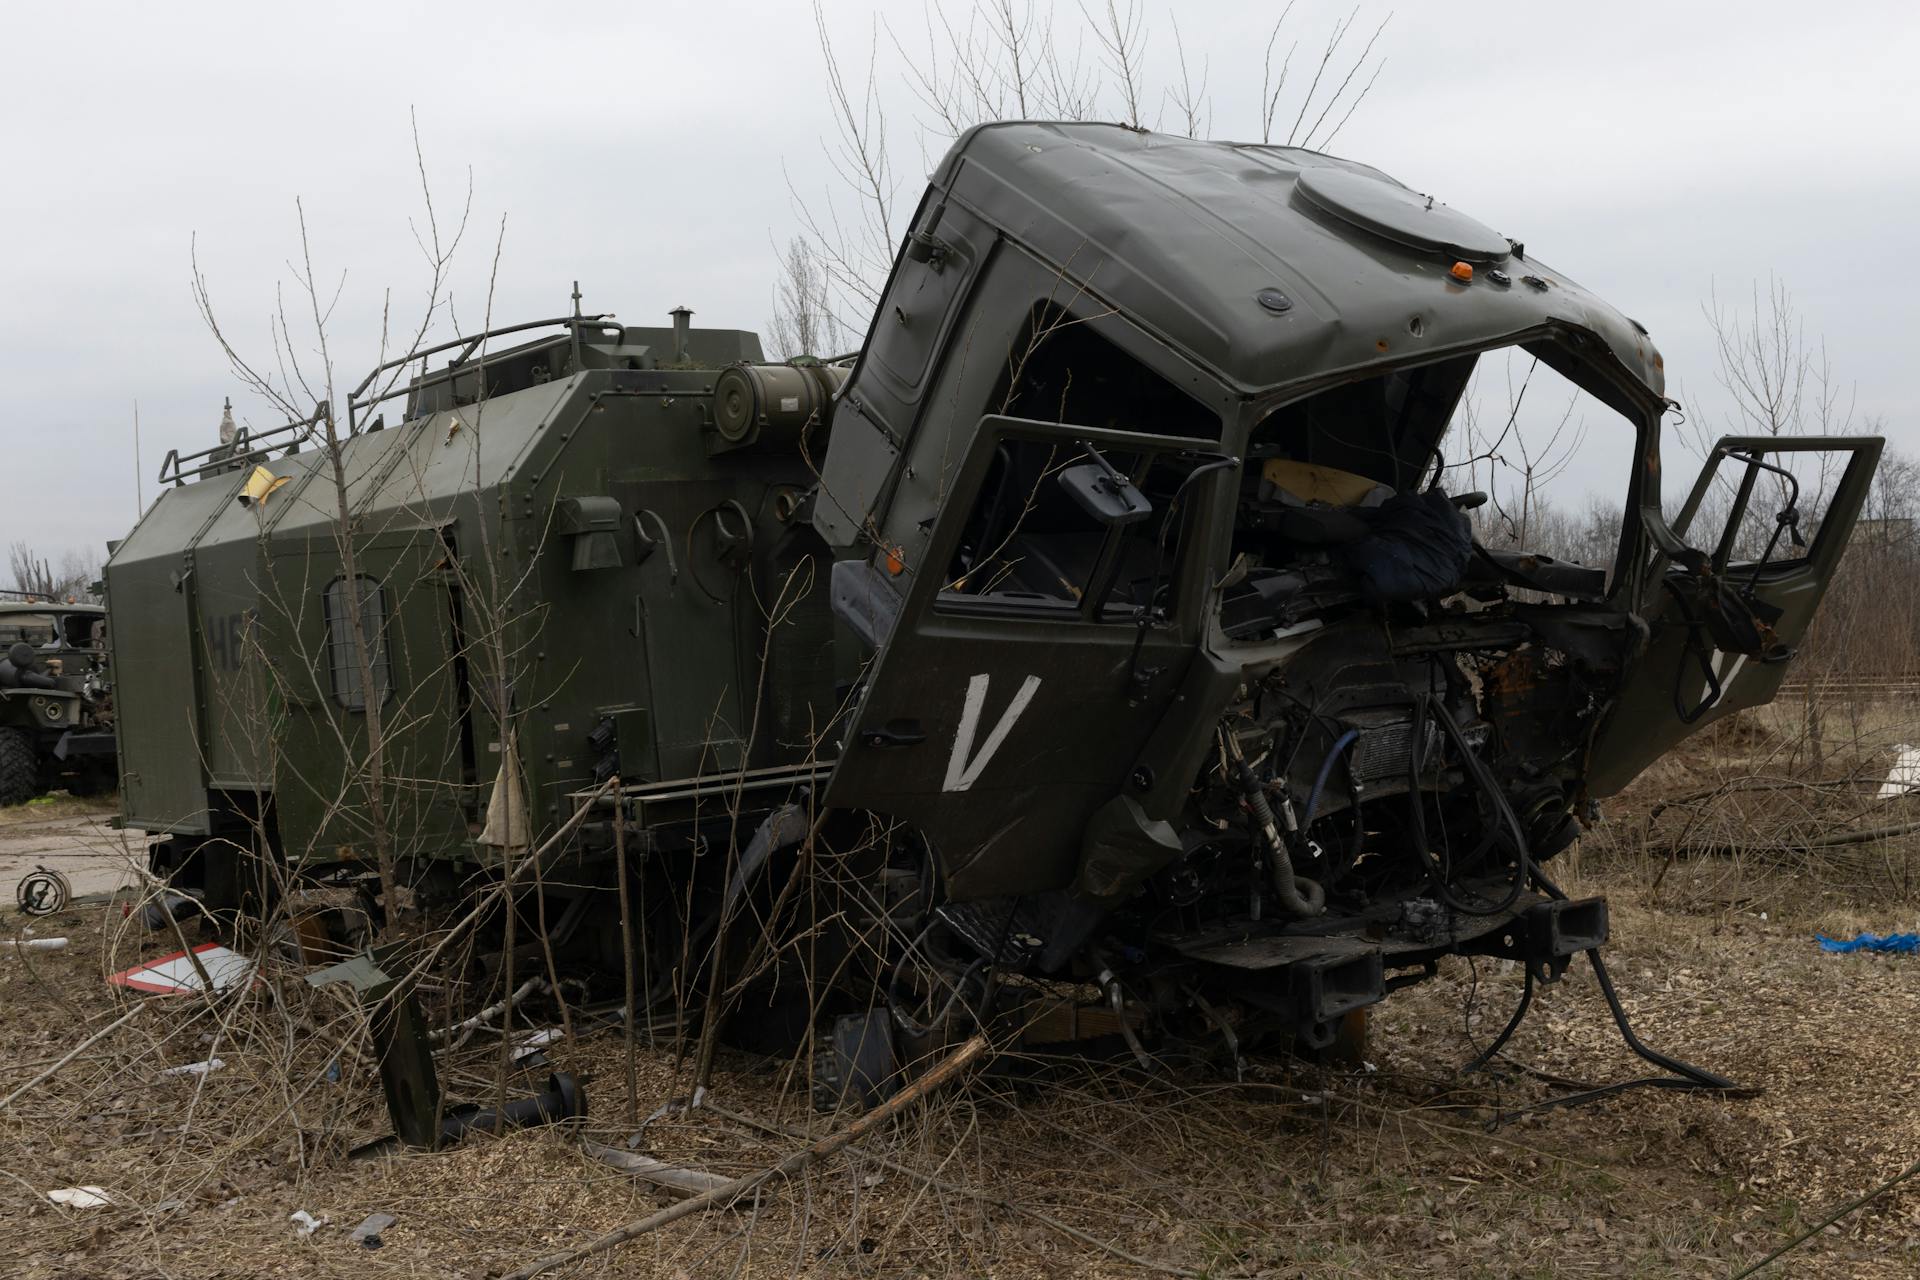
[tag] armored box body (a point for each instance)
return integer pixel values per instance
(555, 539)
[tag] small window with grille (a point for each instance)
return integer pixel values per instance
(343, 655)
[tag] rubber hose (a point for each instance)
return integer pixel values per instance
(1301, 896)
(1340, 744)
(1522, 853)
(1477, 772)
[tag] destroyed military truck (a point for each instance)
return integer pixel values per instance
(56, 705)
(1106, 644)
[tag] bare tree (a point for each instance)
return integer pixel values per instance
(803, 322)
(1780, 383)
(30, 571)
(1521, 461)
(33, 574)
(1122, 35)
(303, 388)
(1192, 103)
(985, 60)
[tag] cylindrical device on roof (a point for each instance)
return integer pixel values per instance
(682, 328)
(772, 403)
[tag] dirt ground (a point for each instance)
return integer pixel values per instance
(67, 835)
(1397, 1168)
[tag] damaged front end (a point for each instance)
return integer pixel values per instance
(1193, 666)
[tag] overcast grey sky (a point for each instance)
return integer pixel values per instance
(1649, 150)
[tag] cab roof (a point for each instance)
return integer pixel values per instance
(1270, 265)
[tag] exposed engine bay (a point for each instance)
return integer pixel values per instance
(1404, 750)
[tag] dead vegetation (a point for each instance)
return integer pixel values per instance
(1398, 1167)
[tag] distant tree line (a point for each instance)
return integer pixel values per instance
(34, 575)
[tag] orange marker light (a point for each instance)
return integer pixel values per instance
(895, 564)
(1462, 271)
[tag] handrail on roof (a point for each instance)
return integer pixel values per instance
(467, 347)
(178, 468)
(175, 468)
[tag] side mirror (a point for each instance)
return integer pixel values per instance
(1105, 494)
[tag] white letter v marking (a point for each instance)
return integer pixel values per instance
(963, 772)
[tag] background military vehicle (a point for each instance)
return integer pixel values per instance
(56, 708)
(1116, 595)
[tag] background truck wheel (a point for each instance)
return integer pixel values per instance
(19, 768)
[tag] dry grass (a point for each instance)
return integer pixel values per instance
(61, 804)
(1293, 1172)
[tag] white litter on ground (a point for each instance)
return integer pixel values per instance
(534, 1041)
(195, 1068)
(306, 1222)
(80, 1197)
(1905, 776)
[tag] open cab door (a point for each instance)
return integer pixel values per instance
(1023, 663)
(1726, 623)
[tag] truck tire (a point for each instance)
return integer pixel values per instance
(19, 768)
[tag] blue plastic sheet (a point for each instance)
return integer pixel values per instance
(1901, 944)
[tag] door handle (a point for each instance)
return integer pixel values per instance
(894, 733)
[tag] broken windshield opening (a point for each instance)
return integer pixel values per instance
(1489, 473)
(83, 630)
(1383, 428)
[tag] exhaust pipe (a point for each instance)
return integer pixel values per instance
(682, 323)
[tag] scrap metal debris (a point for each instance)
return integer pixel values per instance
(179, 974)
(408, 1077)
(534, 1043)
(168, 909)
(367, 1234)
(42, 892)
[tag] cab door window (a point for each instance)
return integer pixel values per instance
(1029, 548)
